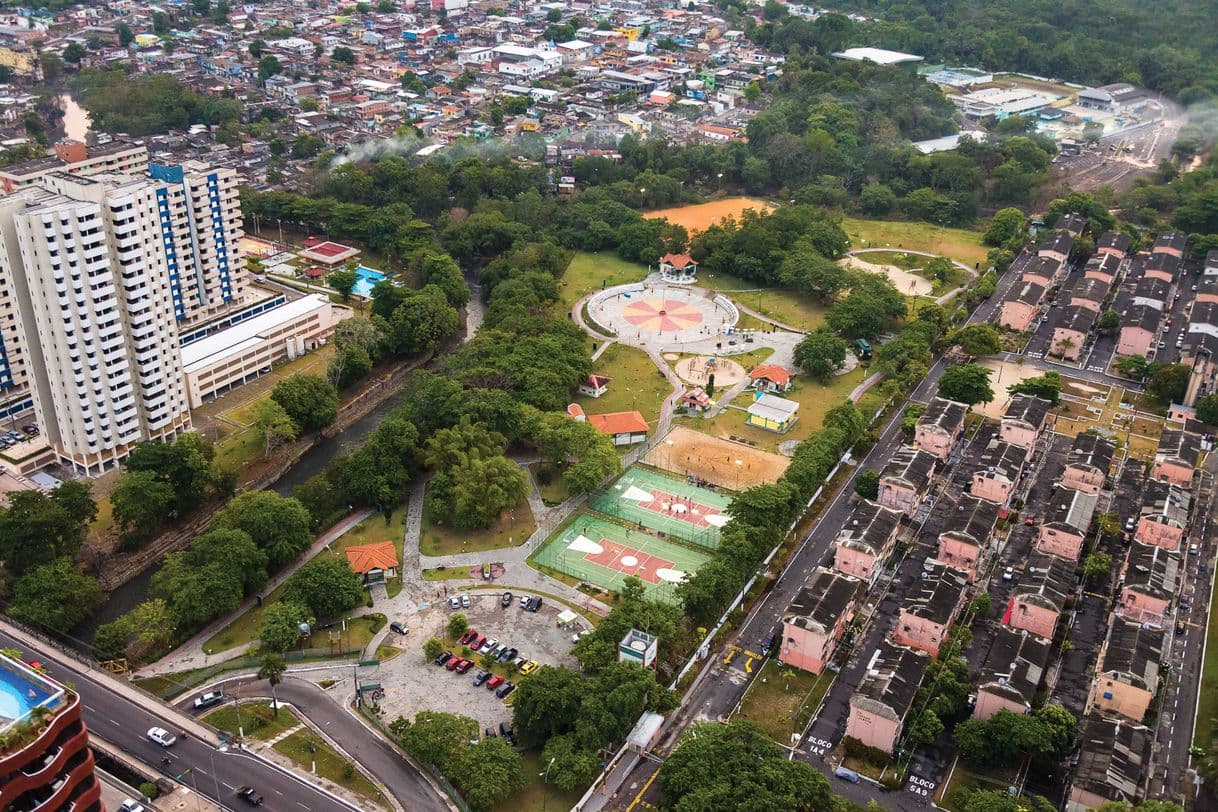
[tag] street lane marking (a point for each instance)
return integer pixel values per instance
(748, 665)
(638, 799)
(90, 709)
(116, 724)
(227, 785)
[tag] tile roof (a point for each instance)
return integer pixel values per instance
(619, 423)
(379, 555)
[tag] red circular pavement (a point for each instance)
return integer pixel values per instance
(662, 315)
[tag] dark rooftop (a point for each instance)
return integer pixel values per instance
(1015, 665)
(820, 604)
(1153, 571)
(1091, 451)
(943, 413)
(1132, 653)
(971, 517)
(1115, 240)
(910, 465)
(999, 458)
(1028, 409)
(936, 594)
(1112, 757)
(870, 525)
(1046, 581)
(1171, 239)
(892, 680)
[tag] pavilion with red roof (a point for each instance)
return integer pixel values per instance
(680, 269)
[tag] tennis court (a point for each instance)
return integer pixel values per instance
(604, 553)
(667, 505)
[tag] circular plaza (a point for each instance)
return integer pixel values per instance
(663, 314)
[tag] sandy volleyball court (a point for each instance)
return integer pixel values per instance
(721, 462)
(702, 215)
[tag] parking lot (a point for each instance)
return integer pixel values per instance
(412, 683)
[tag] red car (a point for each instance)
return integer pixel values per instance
(469, 637)
(464, 666)
(452, 664)
(479, 644)
(494, 682)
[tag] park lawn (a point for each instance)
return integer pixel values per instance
(782, 705)
(589, 272)
(243, 630)
(331, 765)
(537, 795)
(256, 719)
(787, 306)
(237, 448)
(963, 779)
(447, 574)
(1207, 705)
(510, 530)
(957, 243)
(356, 637)
(815, 401)
(635, 384)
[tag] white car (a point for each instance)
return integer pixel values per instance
(131, 805)
(489, 646)
(1008, 574)
(465, 601)
(161, 736)
(454, 602)
(524, 601)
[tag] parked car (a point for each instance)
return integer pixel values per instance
(161, 736)
(454, 602)
(534, 605)
(131, 805)
(1181, 627)
(524, 601)
(465, 666)
(505, 689)
(250, 796)
(465, 601)
(494, 682)
(506, 601)
(469, 637)
(507, 654)
(1130, 523)
(477, 644)
(453, 662)
(529, 667)
(208, 699)
(481, 679)
(489, 646)
(398, 628)
(1008, 574)
(443, 657)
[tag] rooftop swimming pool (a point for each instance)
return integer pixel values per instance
(18, 694)
(367, 279)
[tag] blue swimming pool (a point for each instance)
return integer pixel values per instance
(367, 279)
(18, 695)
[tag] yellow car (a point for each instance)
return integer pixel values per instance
(529, 667)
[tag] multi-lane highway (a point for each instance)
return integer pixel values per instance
(214, 772)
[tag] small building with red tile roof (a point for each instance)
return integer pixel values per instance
(374, 562)
(679, 268)
(624, 428)
(771, 378)
(696, 399)
(594, 386)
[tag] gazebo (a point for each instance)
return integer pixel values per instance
(679, 269)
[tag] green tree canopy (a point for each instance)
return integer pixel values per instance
(326, 586)
(1168, 382)
(820, 354)
(978, 339)
(1047, 387)
(278, 526)
(55, 596)
(36, 528)
(280, 630)
(311, 401)
(966, 383)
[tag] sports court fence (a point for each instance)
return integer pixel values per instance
(667, 505)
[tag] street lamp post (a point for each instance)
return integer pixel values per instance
(545, 792)
(212, 757)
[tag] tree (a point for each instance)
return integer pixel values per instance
(867, 484)
(343, 55)
(268, 66)
(257, 47)
(435, 737)
(140, 503)
(877, 200)
(979, 339)
(481, 490)
(433, 647)
(457, 625)
(488, 773)
(447, 448)
(1207, 409)
(311, 401)
(209, 578)
(1132, 366)
(327, 586)
(55, 596)
(279, 526)
(1047, 387)
(274, 424)
(736, 766)
(982, 605)
(343, 281)
(185, 465)
(350, 363)
(547, 704)
(74, 53)
(36, 528)
(1007, 228)
(966, 383)
(272, 670)
(280, 628)
(1108, 320)
(926, 727)
(1096, 565)
(820, 354)
(125, 35)
(1168, 382)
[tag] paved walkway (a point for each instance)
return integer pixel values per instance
(191, 654)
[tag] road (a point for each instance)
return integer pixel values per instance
(213, 773)
(1121, 158)
(402, 778)
(719, 687)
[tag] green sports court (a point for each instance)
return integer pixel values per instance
(603, 552)
(666, 505)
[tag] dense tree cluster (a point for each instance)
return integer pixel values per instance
(147, 104)
(1047, 733)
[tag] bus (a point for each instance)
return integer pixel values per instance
(863, 349)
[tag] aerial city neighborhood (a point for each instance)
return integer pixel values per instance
(637, 405)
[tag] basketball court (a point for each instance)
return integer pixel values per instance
(667, 505)
(604, 553)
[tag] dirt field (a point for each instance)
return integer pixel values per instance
(727, 373)
(1004, 374)
(698, 217)
(685, 451)
(906, 282)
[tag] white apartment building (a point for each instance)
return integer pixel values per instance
(74, 157)
(201, 230)
(83, 264)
